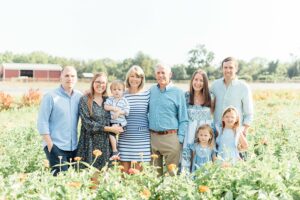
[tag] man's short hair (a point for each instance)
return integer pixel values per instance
(230, 59)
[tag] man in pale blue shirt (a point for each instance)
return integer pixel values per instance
(167, 118)
(58, 120)
(230, 91)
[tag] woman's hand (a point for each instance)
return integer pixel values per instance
(114, 129)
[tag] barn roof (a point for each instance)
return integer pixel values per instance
(31, 66)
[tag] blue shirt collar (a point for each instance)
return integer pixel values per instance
(167, 87)
(62, 90)
(233, 82)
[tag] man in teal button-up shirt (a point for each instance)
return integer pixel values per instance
(230, 91)
(167, 118)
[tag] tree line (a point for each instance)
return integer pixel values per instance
(257, 69)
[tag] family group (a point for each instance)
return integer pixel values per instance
(188, 129)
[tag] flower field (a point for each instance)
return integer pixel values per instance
(272, 169)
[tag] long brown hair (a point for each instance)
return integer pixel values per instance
(237, 123)
(205, 89)
(211, 141)
(91, 93)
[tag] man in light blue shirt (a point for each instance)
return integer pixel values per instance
(167, 118)
(58, 120)
(230, 91)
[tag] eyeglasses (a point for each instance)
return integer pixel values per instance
(99, 82)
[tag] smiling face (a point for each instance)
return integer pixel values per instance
(198, 82)
(99, 85)
(134, 80)
(230, 119)
(229, 70)
(163, 76)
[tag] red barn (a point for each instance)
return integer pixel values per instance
(45, 72)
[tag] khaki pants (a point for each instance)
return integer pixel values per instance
(167, 147)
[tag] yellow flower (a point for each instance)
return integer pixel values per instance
(77, 159)
(145, 194)
(172, 167)
(154, 156)
(203, 188)
(264, 141)
(22, 177)
(46, 163)
(75, 184)
(115, 163)
(97, 152)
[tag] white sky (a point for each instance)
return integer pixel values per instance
(163, 29)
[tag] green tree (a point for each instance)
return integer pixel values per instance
(179, 72)
(146, 63)
(199, 57)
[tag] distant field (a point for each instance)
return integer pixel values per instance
(17, 88)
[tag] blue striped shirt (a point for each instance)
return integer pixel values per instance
(58, 117)
(167, 110)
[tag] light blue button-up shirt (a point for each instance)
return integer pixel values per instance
(58, 117)
(237, 94)
(167, 110)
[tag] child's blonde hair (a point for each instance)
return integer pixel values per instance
(117, 83)
(211, 141)
(237, 123)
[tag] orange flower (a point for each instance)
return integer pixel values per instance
(74, 184)
(133, 171)
(121, 167)
(77, 159)
(97, 152)
(172, 167)
(154, 156)
(225, 165)
(145, 194)
(203, 188)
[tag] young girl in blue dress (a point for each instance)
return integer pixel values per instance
(203, 148)
(230, 138)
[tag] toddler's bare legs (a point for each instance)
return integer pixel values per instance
(113, 142)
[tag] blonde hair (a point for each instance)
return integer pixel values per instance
(137, 70)
(237, 123)
(117, 83)
(211, 141)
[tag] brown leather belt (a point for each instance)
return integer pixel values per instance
(166, 132)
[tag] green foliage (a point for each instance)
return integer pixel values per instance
(198, 57)
(271, 170)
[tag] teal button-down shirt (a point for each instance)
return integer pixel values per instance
(237, 94)
(58, 117)
(167, 110)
